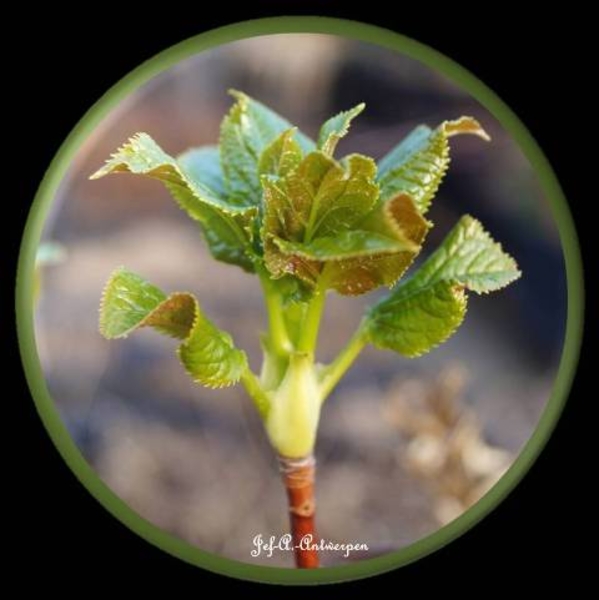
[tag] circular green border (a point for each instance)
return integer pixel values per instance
(45, 196)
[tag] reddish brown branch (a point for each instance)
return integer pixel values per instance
(298, 477)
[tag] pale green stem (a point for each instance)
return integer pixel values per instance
(257, 394)
(311, 325)
(276, 321)
(332, 373)
(295, 409)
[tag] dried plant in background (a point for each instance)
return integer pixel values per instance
(445, 445)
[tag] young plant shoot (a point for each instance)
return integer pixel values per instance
(273, 202)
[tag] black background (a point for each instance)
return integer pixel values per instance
(64, 61)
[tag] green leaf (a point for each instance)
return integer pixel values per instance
(126, 302)
(196, 183)
(228, 236)
(469, 257)
(336, 128)
(428, 309)
(411, 144)
(142, 155)
(399, 220)
(358, 260)
(418, 319)
(326, 212)
(246, 131)
(418, 164)
(203, 164)
(320, 198)
(341, 198)
(207, 353)
(347, 244)
(281, 156)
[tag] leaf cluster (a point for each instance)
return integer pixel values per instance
(276, 203)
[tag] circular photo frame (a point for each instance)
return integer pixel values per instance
(437, 447)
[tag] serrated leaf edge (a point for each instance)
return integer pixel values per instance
(198, 315)
(459, 286)
(329, 144)
(459, 293)
(473, 223)
(113, 167)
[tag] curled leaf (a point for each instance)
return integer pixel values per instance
(397, 220)
(327, 214)
(207, 353)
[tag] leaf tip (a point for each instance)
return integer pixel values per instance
(99, 173)
(466, 125)
(238, 95)
(510, 271)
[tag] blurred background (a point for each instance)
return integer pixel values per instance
(404, 445)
